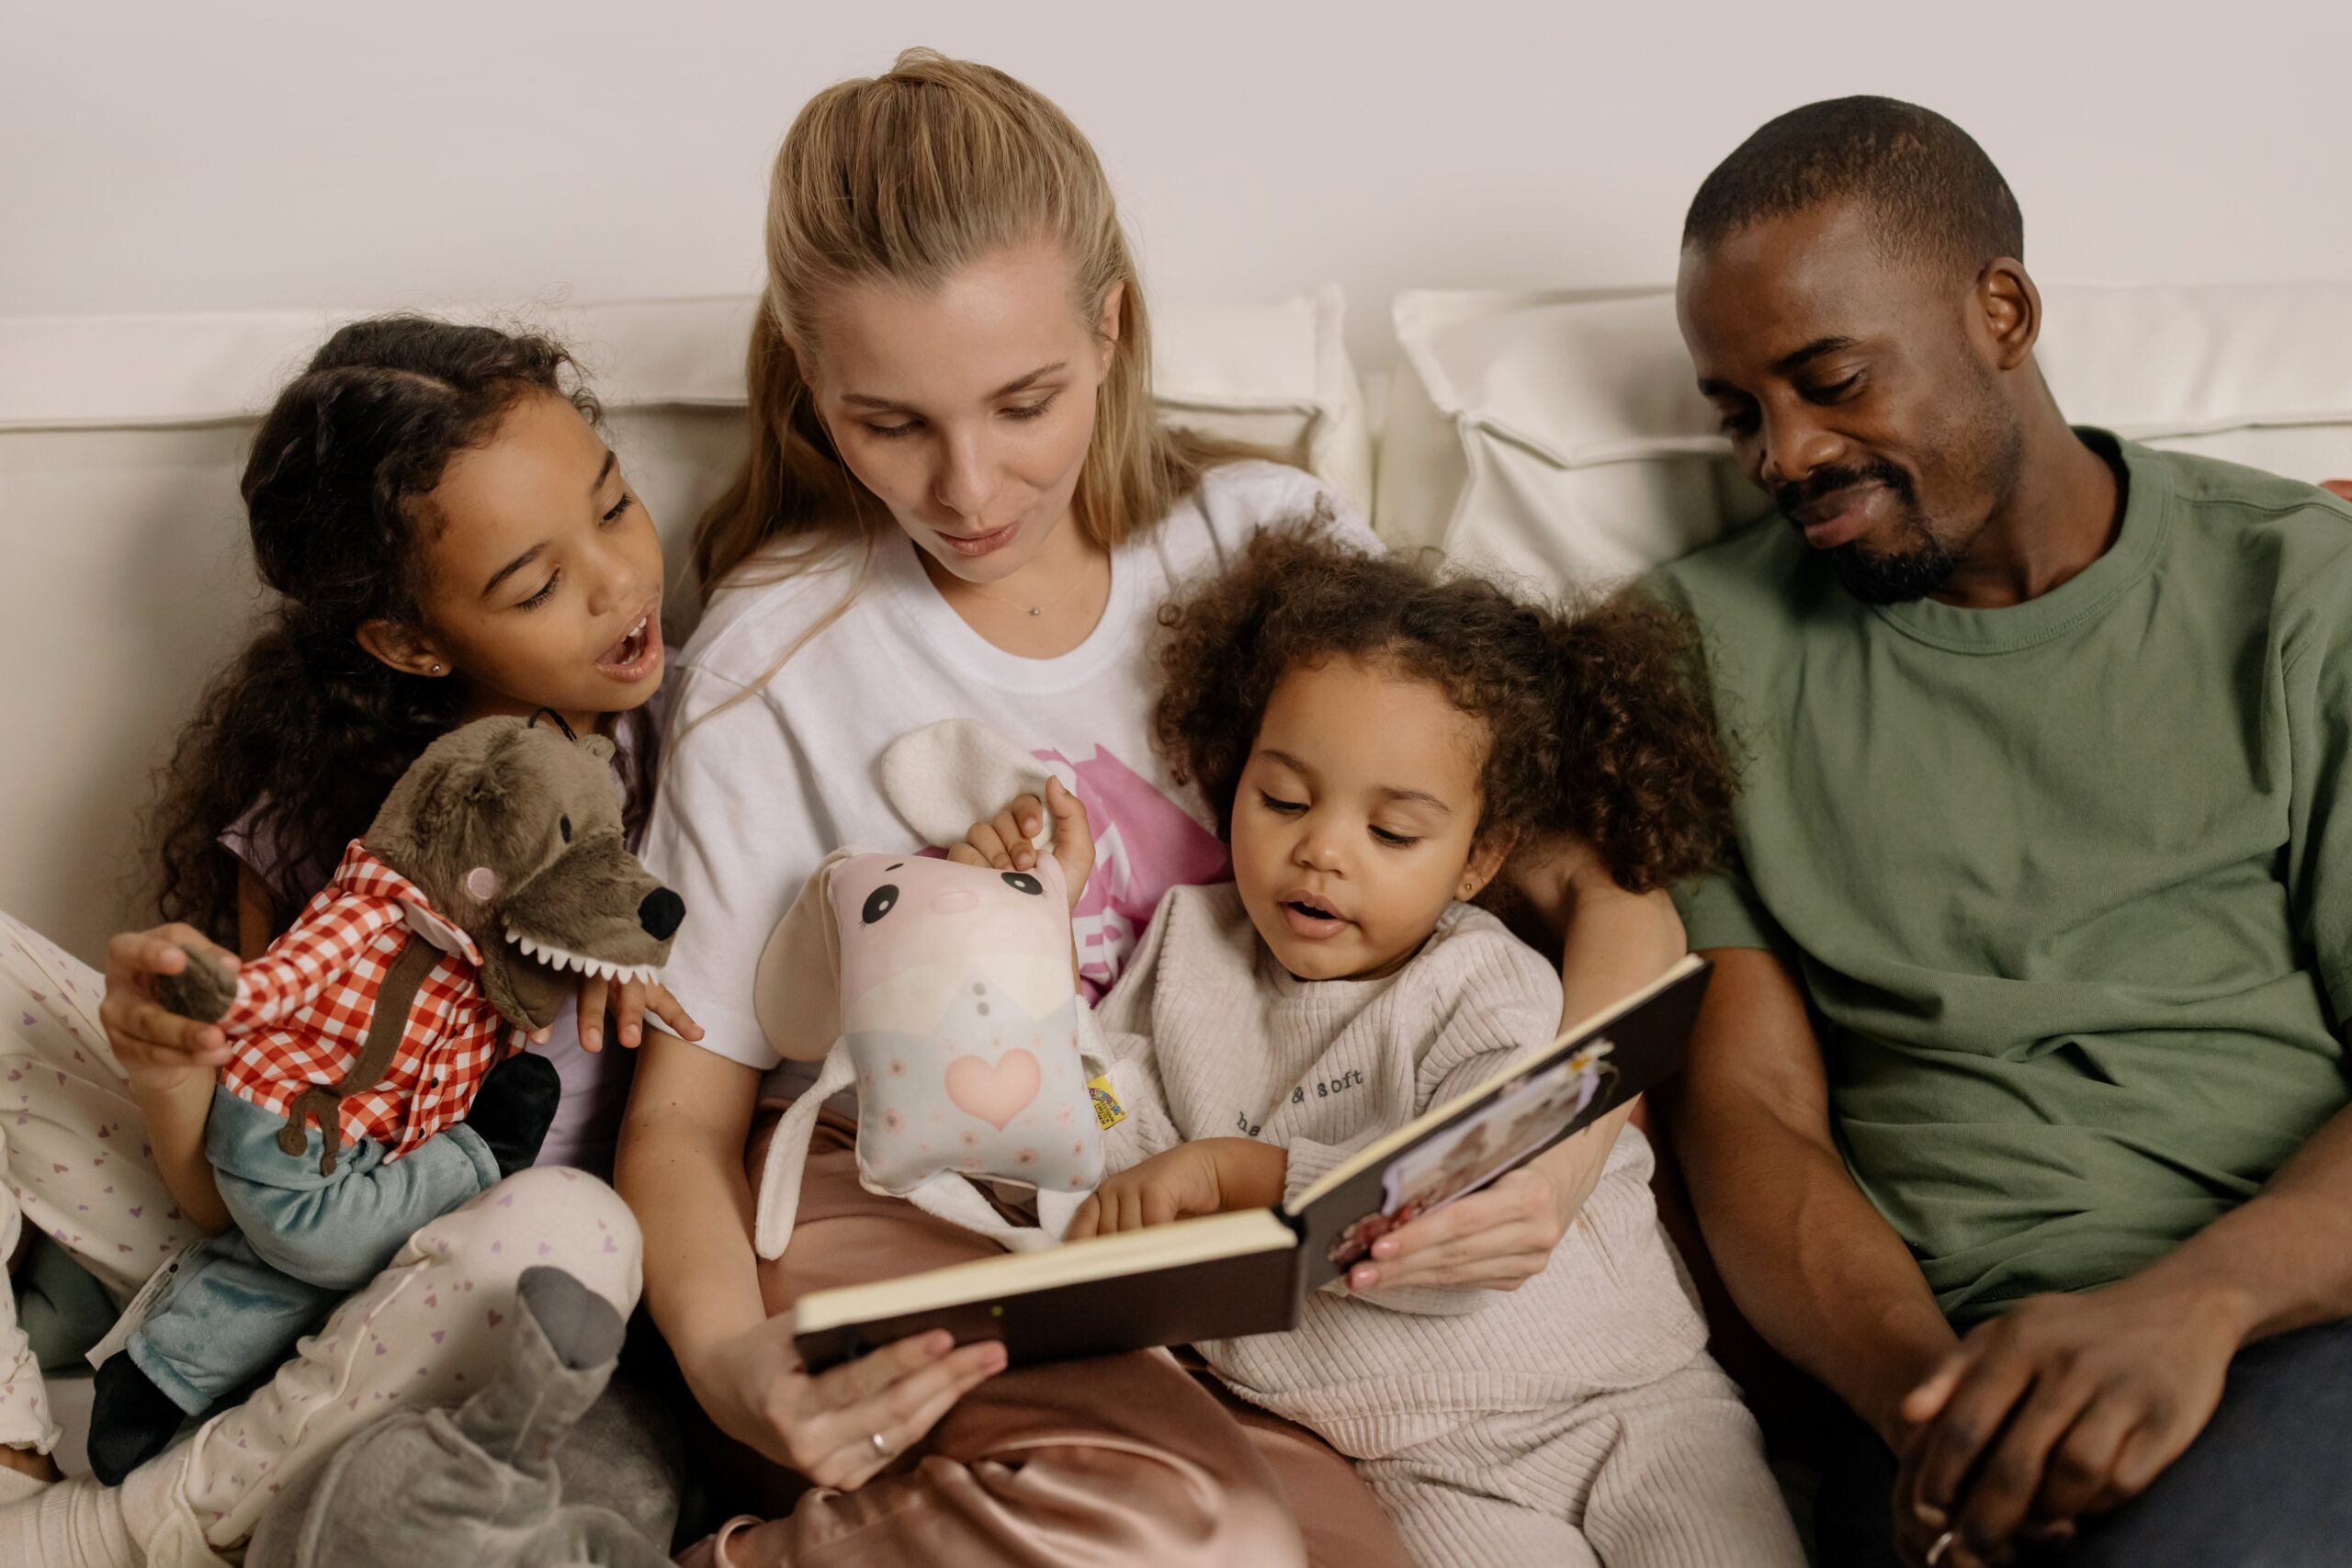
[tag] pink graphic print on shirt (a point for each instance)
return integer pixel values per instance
(1144, 844)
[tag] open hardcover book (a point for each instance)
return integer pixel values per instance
(1220, 1276)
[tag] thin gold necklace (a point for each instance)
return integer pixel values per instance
(1034, 610)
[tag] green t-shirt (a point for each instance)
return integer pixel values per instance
(2069, 884)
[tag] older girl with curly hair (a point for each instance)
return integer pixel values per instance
(447, 536)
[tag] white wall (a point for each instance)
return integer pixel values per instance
(166, 156)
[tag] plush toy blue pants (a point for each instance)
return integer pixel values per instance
(304, 1241)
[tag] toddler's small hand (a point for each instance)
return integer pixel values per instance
(1004, 839)
(1073, 838)
(1168, 1186)
(1007, 840)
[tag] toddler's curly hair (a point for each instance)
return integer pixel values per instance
(1599, 718)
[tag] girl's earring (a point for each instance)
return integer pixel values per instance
(440, 669)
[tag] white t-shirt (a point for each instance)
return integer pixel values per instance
(753, 799)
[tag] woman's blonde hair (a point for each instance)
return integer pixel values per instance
(904, 179)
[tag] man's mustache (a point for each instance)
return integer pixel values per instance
(1826, 482)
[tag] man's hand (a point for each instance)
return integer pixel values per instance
(2341, 487)
(1207, 1175)
(2063, 1407)
(1005, 841)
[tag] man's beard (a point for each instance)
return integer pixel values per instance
(1913, 569)
(1895, 577)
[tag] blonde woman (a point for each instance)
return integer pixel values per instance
(958, 504)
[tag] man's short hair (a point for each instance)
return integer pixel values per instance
(1937, 197)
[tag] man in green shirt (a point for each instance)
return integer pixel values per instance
(2016, 1114)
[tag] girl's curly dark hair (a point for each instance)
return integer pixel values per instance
(305, 724)
(1600, 719)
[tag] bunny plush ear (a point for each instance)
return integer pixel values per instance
(796, 991)
(776, 1200)
(946, 776)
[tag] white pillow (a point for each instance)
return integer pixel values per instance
(1560, 436)
(1276, 374)
(121, 442)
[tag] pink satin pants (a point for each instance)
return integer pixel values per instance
(1127, 1460)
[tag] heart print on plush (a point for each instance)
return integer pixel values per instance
(998, 1093)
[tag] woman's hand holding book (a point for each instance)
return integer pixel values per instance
(840, 1427)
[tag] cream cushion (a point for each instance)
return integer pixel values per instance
(1560, 436)
(121, 442)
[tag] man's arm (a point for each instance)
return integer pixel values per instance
(2282, 1260)
(1809, 1260)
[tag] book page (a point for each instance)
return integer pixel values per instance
(1565, 1044)
(1518, 1111)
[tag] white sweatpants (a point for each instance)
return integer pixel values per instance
(430, 1330)
(1668, 1475)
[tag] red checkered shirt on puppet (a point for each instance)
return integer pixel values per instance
(308, 998)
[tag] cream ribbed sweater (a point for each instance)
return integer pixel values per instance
(1210, 1038)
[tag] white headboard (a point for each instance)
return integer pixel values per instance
(1560, 436)
(121, 442)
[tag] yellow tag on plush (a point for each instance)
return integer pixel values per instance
(1108, 1112)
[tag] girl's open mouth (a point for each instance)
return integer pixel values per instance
(636, 655)
(1311, 920)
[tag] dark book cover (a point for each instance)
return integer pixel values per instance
(1215, 1298)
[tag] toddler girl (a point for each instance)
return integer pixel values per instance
(1378, 742)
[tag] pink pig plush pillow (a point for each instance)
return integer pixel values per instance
(947, 993)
